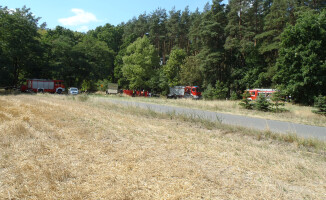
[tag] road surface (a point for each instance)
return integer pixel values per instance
(306, 131)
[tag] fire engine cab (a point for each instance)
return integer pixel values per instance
(254, 93)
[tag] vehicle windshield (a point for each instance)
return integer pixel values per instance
(73, 89)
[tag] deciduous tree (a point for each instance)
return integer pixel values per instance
(139, 63)
(301, 66)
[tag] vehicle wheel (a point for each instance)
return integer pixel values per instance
(59, 91)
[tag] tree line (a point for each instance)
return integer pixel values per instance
(224, 49)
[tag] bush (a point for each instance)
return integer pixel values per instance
(262, 104)
(245, 102)
(86, 85)
(320, 104)
(234, 96)
(209, 93)
(219, 92)
(102, 85)
(278, 99)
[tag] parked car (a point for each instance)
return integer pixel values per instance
(73, 90)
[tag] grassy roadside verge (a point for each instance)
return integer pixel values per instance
(310, 144)
(295, 114)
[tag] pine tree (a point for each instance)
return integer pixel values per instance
(195, 42)
(158, 31)
(212, 37)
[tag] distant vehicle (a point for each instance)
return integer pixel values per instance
(254, 93)
(43, 85)
(185, 92)
(137, 93)
(112, 88)
(73, 90)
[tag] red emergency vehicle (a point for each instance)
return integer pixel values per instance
(185, 92)
(254, 93)
(43, 85)
(137, 93)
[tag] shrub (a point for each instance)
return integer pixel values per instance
(278, 99)
(219, 92)
(262, 104)
(102, 85)
(245, 102)
(209, 92)
(234, 96)
(320, 104)
(86, 85)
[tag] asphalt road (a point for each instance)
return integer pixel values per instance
(302, 130)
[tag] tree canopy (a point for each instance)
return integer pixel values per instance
(224, 49)
(139, 63)
(301, 65)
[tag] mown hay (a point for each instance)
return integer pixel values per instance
(58, 148)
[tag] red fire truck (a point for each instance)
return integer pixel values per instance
(136, 93)
(43, 85)
(185, 92)
(254, 93)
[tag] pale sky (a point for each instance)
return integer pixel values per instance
(84, 15)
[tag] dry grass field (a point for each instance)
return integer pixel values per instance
(295, 113)
(60, 147)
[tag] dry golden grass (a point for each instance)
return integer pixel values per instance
(296, 113)
(57, 147)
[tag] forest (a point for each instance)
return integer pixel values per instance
(224, 49)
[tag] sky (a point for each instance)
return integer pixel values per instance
(84, 15)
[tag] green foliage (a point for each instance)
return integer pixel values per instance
(221, 91)
(139, 63)
(234, 96)
(278, 99)
(109, 34)
(217, 92)
(209, 92)
(320, 104)
(236, 44)
(262, 104)
(191, 73)
(86, 86)
(102, 85)
(301, 66)
(245, 102)
(93, 58)
(163, 82)
(21, 51)
(118, 62)
(275, 21)
(212, 36)
(173, 66)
